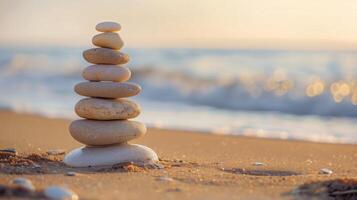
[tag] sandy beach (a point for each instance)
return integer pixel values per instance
(199, 165)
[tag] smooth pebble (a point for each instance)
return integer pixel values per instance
(326, 171)
(107, 109)
(60, 193)
(111, 90)
(108, 27)
(23, 183)
(71, 174)
(113, 73)
(93, 132)
(105, 56)
(111, 155)
(108, 40)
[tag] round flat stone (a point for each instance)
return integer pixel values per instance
(111, 90)
(94, 132)
(113, 73)
(108, 40)
(111, 155)
(108, 27)
(60, 193)
(107, 109)
(105, 56)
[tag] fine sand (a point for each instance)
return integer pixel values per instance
(202, 166)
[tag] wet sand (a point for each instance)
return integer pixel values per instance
(202, 166)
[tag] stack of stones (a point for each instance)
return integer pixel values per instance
(106, 129)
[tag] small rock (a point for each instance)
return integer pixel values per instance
(56, 152)
(108, 27)
(60, 193)
(105, 56)
(113, 73)
(259, 164)
(326, 171)
(111, 90)
(110, 155)
(107, 109)
(93, 132)
(108, 40)
(23, 183)
(71, 174)
(165, 179)
(9, 150)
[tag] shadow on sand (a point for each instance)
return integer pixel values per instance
(262, 172)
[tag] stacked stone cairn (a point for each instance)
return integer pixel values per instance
(106, 129)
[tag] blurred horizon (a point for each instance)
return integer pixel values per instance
(295, 25)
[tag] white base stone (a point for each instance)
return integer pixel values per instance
(111, 155)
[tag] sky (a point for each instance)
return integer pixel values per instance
(183, 23)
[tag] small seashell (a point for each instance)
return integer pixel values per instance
(23, 183)
(326, 171)
(60, 193)
(165, 179)
(71, 174)
(259, 164)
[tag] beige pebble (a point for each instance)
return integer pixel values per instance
(107, 109)
(107, 89)
(105, 56)
(108, 40)
(94, 133)
(108, 27)
(106, 73)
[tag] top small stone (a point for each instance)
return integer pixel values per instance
(108, 27)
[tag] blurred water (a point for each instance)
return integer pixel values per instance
(308, 95)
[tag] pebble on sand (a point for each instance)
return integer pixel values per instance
(111, 155)
(23, 183)
(60, 193)
(259, 164)
(108, 27)
(71, 174)
(326, 171)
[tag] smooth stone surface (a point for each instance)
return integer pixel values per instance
(23, 183)
(108, 40)
(107, 89)
(107, 109)
(111, 155)
(60, 193)
(108, 27)
(113, 73)
(93, 132)
(105, 56)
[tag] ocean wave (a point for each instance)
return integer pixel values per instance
(257, 94)
(301, 83)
